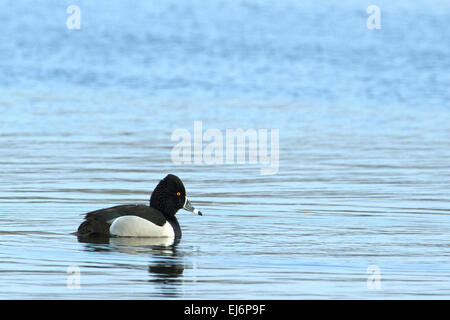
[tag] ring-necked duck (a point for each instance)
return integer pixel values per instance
(156, 220)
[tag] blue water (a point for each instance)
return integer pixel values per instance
(364, 156)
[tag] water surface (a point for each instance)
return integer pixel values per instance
(364, 120)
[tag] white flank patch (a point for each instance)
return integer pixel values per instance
(134, 226)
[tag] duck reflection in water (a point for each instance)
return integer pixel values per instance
(166, 271)
(165, 268)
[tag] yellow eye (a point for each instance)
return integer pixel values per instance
(178, 193)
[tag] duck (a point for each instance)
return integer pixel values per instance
(139, 220)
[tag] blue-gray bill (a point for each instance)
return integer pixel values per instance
(188, 206)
